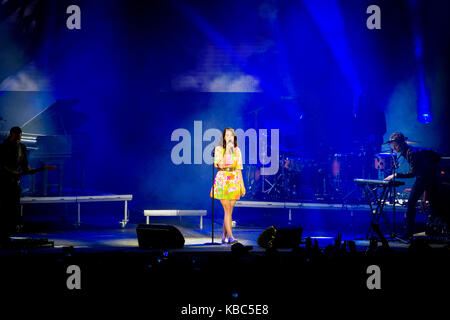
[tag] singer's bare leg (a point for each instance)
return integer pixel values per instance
(232, 204)
(224, 233)
(228, 225)
(227, 218)
(225, 205)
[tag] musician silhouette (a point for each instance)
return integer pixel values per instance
(13, 165)
(422, 166)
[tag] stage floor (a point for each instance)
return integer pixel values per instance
(97, 237)
(100, 229)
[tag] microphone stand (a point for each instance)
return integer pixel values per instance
(394, 188)
(212, 243)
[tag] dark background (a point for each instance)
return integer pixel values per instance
(141, 69)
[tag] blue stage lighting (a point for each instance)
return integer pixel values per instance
(328, 18)
(418, 46)
(423, 106)
(423, 102)
(425, 118)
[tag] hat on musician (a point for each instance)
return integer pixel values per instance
(396, 137)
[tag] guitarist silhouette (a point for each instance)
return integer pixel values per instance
(13, 165)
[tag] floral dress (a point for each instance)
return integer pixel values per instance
(227, 184)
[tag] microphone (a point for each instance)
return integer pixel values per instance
(230, 142)
(394, 159)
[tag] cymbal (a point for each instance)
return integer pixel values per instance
(288, 150)
(412, 142)
(381, 154)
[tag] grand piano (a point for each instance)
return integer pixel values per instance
(52, 138)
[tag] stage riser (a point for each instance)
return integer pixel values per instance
(319, 220)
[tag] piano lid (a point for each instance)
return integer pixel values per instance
(57, 119)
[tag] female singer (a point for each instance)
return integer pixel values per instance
(228, 183)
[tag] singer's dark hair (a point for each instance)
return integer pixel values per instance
(224, 143)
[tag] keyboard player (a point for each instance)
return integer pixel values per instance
(422, 166)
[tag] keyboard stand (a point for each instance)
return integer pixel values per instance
(379, 201)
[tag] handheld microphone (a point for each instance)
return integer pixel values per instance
(230, 142)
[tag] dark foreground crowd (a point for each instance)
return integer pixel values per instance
(284, 279)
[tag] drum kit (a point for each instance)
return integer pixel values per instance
(329, 178)
(298, 178)
(309, 179)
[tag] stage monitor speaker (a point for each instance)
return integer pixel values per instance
(284, 238)
(159, 236)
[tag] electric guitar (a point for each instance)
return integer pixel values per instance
(34, 171)
(14, 176)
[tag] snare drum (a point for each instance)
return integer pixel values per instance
(344, 165)
(291, 164)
